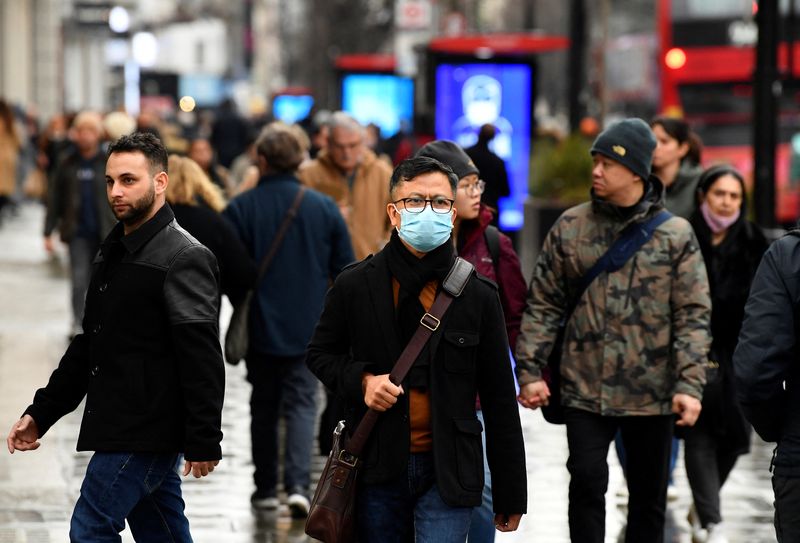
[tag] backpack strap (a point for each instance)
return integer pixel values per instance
(631, 239)
(492, 236)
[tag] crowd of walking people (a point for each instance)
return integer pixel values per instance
(627, 330)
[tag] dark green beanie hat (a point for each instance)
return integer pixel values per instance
(630, 142)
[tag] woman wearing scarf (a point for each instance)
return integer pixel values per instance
(732, 248)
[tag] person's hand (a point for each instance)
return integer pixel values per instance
(48, 244)
(507, 523)
(534, 395)
(379, 392)
(24, 435)
(687, 408)
(199, 469)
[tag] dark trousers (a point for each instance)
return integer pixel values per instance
(707, 468)
(648, 441)
(787, 508)
(281, 387)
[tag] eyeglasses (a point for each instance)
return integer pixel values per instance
(477, 187)
(417, 205)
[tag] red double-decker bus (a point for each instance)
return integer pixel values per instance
(707, 52)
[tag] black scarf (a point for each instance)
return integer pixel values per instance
(413, 274)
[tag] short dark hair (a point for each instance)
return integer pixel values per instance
(147, 144)
(418, 165)
(280, 147)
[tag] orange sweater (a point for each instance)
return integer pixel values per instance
(419, 401)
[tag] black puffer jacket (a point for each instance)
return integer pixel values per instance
(766, 364)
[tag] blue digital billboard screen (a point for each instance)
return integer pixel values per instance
(384, 99)
(291, 108)
(471, 95)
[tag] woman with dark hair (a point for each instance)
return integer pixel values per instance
(676, 162)
(732, 248)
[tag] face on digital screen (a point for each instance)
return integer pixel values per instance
(470, 95)
(481, 99)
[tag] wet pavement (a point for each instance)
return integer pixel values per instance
(38, 489)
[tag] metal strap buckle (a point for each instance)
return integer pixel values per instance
(430, 322)
(347, 458)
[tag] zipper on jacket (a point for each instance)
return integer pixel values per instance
(630, 282)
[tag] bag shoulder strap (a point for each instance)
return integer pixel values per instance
(452, 287)
(284, 227)
(492, 235)
(631, 239)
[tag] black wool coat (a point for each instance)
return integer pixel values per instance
(149, 361)
(731, 266)
(358, 333)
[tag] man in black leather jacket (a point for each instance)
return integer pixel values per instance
(766, 369)
(149, 362)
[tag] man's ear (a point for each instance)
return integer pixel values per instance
(394, 215)
(263, 165)
(161, 181)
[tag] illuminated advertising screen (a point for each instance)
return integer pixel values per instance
(291, 108)
(471, 95)
(386, 100)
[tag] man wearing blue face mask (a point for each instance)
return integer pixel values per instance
(422, 467)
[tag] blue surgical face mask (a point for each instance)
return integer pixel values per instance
(425, 231)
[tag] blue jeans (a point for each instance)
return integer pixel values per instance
(482, 529)
(143, 488)
(281, 386)
(410, 509)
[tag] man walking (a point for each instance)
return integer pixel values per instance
(77, 207)
(350, 173)
(635, 346)
(286, 307)
(766, 378)
(422, 468)
(492, 167)
(149, 365)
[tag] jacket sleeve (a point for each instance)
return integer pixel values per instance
(512, 288)
(328, 355)
(67, 386)
(55, 202)
(191, 293)
(505, 450)
(237, 269)
(545, 306)
(690, 304)
(341, 248)
(766, 352)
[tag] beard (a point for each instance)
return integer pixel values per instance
(137, 210)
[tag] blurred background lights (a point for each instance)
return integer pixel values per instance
(675, 58)
(145, 49)
(118, 19)
(187, 104)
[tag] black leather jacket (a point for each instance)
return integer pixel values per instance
(149, 360)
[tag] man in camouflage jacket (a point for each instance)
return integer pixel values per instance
(635, 347)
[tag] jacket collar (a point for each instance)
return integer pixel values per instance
(651, 202)
(139, 237)
(379, 279)
(272, 177)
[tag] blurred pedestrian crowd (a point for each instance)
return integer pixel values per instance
(645, 335)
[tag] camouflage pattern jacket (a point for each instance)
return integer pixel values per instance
(638, 335)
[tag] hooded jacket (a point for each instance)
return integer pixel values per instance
(638, 335)
(681, 196)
